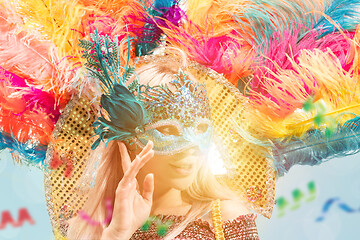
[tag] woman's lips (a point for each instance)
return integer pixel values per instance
(183, 168)
(182, 165)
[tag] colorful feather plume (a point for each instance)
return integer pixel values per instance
(30, 152)
(145, 22)
(319, 76)
(259, 19)
(27, 115)
(64, 22)
(37, 83)
(303, 57)
(54, 20)
(18, 97)
(35, 86)
(325, 104)
(279, 53)
(33, 59)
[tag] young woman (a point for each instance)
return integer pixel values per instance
(283, 75)
(172, 182)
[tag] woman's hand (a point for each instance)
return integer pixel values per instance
(131, 208)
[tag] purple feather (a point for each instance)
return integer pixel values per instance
(150, 32)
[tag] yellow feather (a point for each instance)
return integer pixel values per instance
(215, 16)
(56, 20)
(199, 6)
(355, 51)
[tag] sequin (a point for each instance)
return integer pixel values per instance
(234, 136)
(253, 193)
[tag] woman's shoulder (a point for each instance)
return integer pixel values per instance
(232, 209)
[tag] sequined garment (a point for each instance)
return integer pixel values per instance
(241, 228)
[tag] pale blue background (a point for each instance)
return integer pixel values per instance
(23, 187)
(335, 178)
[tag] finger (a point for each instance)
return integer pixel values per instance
(146, 157)
(132, 171)
(125, 190)
(135, 166)
(147, 148)
(125, 158)
(148, 187)
(137, 187)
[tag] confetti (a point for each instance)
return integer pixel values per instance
(341, 205)
(6, 218)
(298, 197)
(88, 219)
(161, 227)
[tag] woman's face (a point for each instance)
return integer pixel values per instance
(180, 127)
(176, 171)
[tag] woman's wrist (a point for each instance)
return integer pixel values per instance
(112, 234)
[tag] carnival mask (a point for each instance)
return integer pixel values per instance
(178, 116)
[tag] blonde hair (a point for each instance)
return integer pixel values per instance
(200, 194)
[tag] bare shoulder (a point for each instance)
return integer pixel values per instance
(231, 209)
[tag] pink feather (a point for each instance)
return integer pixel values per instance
(25, 112)
(15, 89)
(228, 54)
(280, 52)
(339, 45)
(31, 58)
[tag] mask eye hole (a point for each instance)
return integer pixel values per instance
(201, 128)
(168, 130)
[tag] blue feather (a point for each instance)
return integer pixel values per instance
(125, 111)
(164, 4)
(346, 13)
(314, 148)
(276, 16)
(30, 152)
(284, 15)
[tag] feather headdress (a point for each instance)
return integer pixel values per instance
(288, 69)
